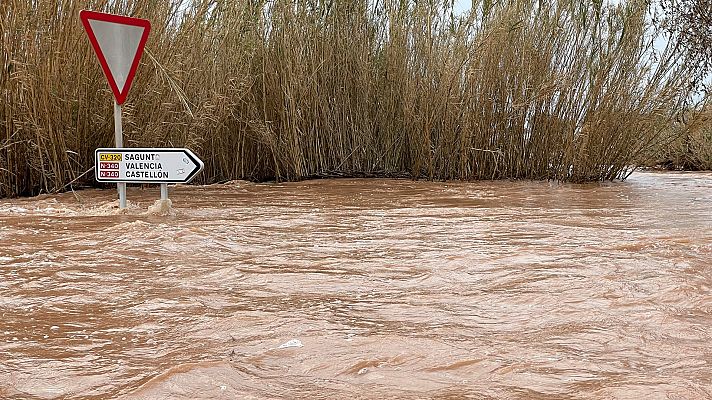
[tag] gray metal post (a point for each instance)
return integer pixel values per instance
(119, 138)
(164, 191)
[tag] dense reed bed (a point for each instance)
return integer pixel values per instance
(690, 147)
(565, 90)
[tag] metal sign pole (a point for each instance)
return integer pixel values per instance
(119, 137)
(164, 191)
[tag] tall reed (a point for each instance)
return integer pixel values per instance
(691, 144)
(566, 90)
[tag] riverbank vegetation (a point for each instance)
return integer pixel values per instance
(566, 90)
(690, 146)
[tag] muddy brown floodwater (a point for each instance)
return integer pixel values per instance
(348, 289)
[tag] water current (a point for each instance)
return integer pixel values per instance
(350, 289)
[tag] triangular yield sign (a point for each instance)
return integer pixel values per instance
(118, 42)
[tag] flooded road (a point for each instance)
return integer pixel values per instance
(348, 289)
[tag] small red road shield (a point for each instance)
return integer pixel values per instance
(118, 42)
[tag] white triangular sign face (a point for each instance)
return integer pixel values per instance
(118, 42)
(119, 45)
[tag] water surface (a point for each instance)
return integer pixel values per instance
(362, 289)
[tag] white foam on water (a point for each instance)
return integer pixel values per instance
(17, 210)
(40, 207)
(110, 208)
(291, 343)
(162, 207)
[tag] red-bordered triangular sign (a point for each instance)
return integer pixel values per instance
(118, 42)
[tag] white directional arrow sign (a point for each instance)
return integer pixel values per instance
(143, 165)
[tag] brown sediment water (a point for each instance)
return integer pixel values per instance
(346, 289)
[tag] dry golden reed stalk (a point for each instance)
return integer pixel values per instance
(690, 147)
(566, 90)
